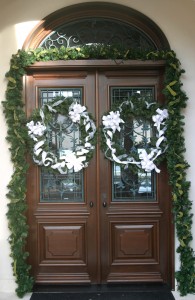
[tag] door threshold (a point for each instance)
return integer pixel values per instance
(78, 288)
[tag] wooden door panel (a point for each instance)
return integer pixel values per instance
(62, 250)
(134, 250)
(100, 239)
(135, 232)
(62, 243)
(134, 243)
(63, 235)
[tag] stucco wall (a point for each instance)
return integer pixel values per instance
(17, 18)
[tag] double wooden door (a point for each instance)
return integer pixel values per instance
(99, 225)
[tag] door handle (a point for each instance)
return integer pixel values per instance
(91, 204)
(104, 204)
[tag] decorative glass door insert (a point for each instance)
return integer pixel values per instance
(63, 136)
(135, 134)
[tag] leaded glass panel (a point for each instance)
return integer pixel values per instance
(98, 31)
(63, 135)
(135, 134)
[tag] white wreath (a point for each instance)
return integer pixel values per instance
(74, 161)
(112, 123)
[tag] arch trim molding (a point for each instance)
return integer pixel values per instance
(82, 11)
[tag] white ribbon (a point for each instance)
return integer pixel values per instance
(82, 151)
(59, 167)
(72, 160)
(92, 133)
(42, 115)
(57, 103)
(46, 160)
(126, 103)
(159, 141)
(158, 122)
(75, 112)
(111, 123)
(36, 130)
(118, 159)
(159, 117)
(147, 160)
(37, 147)
(149, 104)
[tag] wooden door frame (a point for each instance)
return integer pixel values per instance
(137, 66)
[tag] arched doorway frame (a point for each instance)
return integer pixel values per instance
(82, 11)
(96, 9)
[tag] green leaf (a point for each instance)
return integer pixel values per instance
(11, 79)
(176, 163)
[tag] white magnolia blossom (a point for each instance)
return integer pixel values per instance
(37, 129)
(75, 112)
(112, 121)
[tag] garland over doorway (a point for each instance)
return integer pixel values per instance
(18, 138)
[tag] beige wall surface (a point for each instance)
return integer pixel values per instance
(18, 17)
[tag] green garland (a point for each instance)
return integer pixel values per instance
(177, 166)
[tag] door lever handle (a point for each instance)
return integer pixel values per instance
(104, 204)
(91, 204)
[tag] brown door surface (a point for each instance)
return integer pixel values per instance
(97, 226)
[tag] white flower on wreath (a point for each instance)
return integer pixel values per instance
(112, 121)
(75, 112)
(146, 160)
(36, 129)
(73, 161)
(147, 163)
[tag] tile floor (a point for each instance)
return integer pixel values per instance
(12, 296)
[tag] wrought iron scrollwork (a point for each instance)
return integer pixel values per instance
(98, 31)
